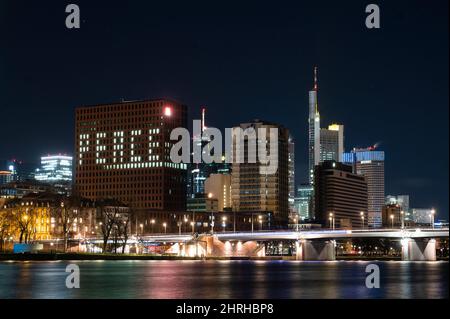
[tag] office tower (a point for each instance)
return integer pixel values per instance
(402, 201)
(332, 143)
(123, 152)
(323, 144)
(253, 187)
(313, 130)
(218, 186)
(291, 159)
(341, 193)
(303, 200)
(55, 169)
(370, 163)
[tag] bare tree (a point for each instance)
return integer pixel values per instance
(65, 215)
(123, 227)
(108, 217)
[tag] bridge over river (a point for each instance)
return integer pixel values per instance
(417, 244)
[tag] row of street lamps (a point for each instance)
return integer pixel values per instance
(192, 223)
(331, 219)
(402, 218)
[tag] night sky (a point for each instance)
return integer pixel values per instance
(242, 62)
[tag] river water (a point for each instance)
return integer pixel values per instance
(223, 279)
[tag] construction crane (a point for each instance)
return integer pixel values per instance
(369, 148)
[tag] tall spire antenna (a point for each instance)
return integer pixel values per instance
(203, 118)
(316, 87)
(315, 79)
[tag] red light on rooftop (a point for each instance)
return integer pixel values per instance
(168, 111)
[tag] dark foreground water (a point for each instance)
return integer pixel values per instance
(223, 279)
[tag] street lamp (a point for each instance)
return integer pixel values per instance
(392, 220)
(402, 217)
(331, 220)
(432, 217)
(260, 222)
(142, 229)
(362, 218)
(165, 227)
(153, 223)
(224, 224)
(193, 225)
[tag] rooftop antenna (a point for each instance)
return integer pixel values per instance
(203, 119)
(315, 78)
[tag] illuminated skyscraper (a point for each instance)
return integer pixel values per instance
(370, 163)
(332, 143)
(291, 160)
(313, 130)
(303, 201)
(55, 169)
(123, 152)
(253, 186)
(324, 144)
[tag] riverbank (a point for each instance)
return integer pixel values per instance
(85, 256)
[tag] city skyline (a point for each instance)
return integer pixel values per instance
(224, 158)
(370, 94)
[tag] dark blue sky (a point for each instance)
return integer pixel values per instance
(243, 61)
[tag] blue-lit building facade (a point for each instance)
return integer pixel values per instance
(370, 163)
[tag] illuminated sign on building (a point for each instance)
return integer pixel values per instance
(126, 157)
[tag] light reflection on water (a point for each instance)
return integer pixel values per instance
(223, 279)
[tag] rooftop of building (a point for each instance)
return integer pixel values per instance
(333, 165)
(124, 102)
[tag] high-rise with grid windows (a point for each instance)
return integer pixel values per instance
(123, 152)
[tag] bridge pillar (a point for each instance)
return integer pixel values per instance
(213, 247)
(418, 249)
(315, 250)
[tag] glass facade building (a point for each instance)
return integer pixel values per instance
(332, 143)
(55, 168)
(303, 201)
